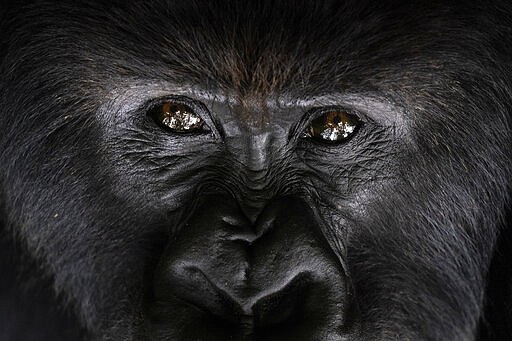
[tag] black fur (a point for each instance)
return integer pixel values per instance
(415, 206)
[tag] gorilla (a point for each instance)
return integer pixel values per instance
(260, 170)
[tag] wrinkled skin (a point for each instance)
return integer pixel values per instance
(113, 227)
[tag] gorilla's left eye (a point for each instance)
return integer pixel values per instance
(177, 117)
(334, 126)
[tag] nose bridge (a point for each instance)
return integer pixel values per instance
(258, 166)
(253, 143)
(259, 149)
(254, 153)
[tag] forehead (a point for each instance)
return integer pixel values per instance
(255, 48)
(255, 53)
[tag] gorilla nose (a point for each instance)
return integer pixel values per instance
(275, 279)
(284, 305)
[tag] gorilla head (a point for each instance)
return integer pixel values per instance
(213, 170)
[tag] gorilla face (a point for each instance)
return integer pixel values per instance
(274, 171)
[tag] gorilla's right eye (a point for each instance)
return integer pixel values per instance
(177, 117)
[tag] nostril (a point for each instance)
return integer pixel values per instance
(193, 286)
(286, 305)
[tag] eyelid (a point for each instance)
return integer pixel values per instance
(319, 111)
(192, 103)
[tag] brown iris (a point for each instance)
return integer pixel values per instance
(177, 117)
(332, 127)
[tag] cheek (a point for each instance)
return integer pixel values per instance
(351, 176)
(150, 169)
